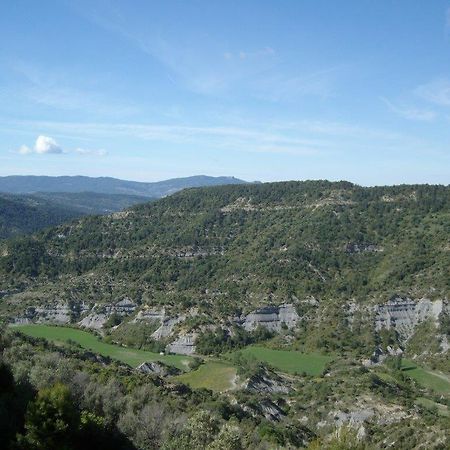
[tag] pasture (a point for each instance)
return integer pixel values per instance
(215, 375)
(437, 382)
(288, 361)
(131, 356)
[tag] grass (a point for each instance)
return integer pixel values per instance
(428, 379)
(215, 375)
(131, 356)
(442, 410)
(289, 361)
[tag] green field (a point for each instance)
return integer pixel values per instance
(289, 361)
(130, 356)
(215, 375)
(427, 378)
(442, 410)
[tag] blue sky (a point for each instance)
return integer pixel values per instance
(262, 90)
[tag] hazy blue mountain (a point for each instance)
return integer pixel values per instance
(27, 184)
(92, 202)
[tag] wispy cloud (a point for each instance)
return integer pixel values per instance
(302, 138)
(437, 91)
(89, 152)
(49, 87)
(205, 67)
(409, 113)
(245, 55)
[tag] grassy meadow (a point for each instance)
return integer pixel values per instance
(131, 356)
(437, 382)
(215, 375)
(289, 361)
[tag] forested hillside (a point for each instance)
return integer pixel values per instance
(291, 310)
(331, 240)
(24, 214)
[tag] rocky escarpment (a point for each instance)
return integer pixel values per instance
(267, 382)
(267, 408)
(166, 322)
(271, 317)
(183, 345)
(404, 314)
(99, 314)
(59, 313)
(157, 368)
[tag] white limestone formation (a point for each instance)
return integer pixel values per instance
(404, 314)
(272, 318)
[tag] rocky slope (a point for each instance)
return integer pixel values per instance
(330, 264)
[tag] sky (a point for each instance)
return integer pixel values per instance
(261, 90)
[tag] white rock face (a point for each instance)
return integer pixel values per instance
(150, 315)
(157, 368)
(59, 313)
(93, 321)
(99, 314)
(166, 322)
(184, 345)
(404, 314)
(272, 318)
(123, 308)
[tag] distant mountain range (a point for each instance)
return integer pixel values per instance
(27, 184)
(30, 203)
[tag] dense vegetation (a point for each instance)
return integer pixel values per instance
(63, 397)
(25, 214)
(333, 250)
(322, 239)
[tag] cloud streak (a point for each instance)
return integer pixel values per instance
(302, 138)
(437, 91)
(423, 115)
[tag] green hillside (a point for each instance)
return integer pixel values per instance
(330, 240)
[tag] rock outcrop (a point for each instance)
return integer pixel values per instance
(93, 321)
(157, 368)
(60, 313)
(166, 323)
(404, 314)
(99, 314)
(271, 317)
(184, 345)
(267, 382)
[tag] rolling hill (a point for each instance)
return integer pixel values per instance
(24, 214)
(106, 185)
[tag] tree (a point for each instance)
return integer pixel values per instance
(51, 420)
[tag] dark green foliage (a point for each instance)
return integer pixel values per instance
(136, 335)
(222, 341)
(312, 238)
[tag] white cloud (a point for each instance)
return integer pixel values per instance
(424, 115)
(437, 91)
(306, 137)
(45, 145)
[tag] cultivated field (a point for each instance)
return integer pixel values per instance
(439, 383)
(130, 356)
(215, 375)
(289, 361)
